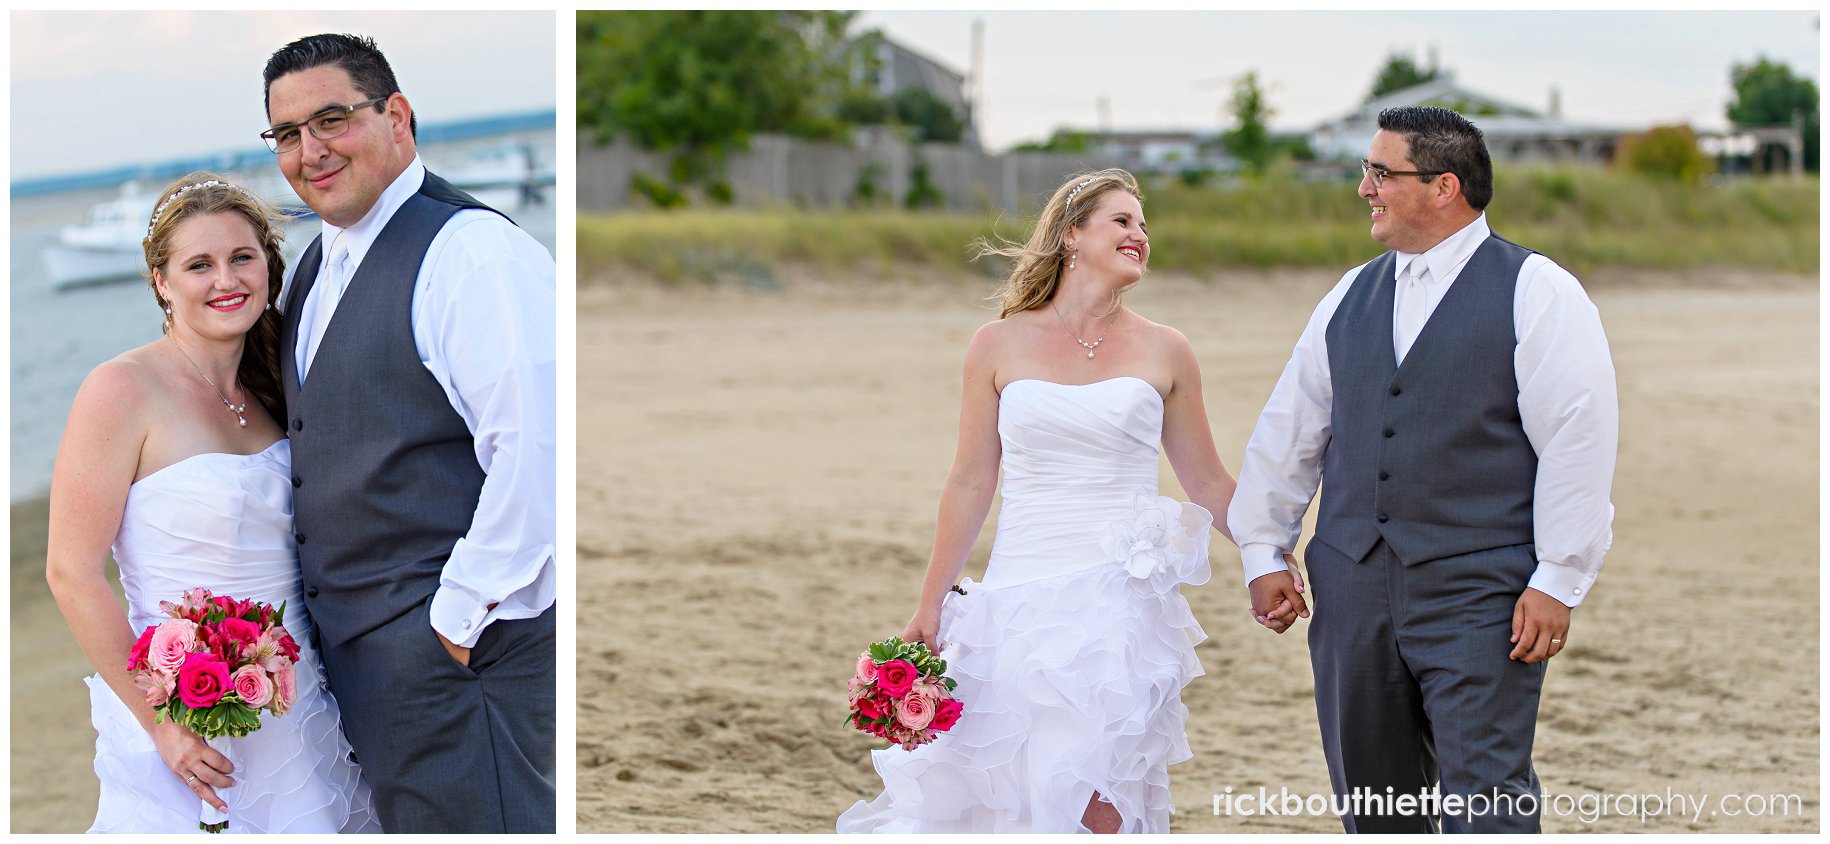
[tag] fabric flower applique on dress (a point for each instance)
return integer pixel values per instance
(1163, 543)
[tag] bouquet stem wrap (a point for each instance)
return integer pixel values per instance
(210, 819)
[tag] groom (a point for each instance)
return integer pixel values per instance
(1458, 396)
(417, 357)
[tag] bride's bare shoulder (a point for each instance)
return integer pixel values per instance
(124, 384)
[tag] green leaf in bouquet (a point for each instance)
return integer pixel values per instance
(279, 613)
(882, 652)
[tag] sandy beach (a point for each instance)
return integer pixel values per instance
(758, 476)
(759, 471)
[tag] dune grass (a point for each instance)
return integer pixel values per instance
(1584, 218)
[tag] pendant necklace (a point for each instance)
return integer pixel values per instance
(1083, 344)
(238, 410)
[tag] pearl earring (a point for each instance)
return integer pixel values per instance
(1072, 257)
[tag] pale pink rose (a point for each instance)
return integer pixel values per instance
(915, 711)
(285, 689)
(867, 669)
(170, 642)
(252, 686)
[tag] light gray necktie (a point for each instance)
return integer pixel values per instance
(1412, 308)
(329, 291)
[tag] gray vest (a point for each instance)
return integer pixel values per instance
(384, 472)
(1430, 456)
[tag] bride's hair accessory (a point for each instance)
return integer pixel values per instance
(1076, 191)
(160, 211)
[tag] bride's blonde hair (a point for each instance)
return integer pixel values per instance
(1038, 262)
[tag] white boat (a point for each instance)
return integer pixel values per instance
(502, 176)
(106, 246)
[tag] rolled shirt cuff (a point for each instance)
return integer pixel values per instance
(1260, 559)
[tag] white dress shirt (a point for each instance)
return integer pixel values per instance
(484, 312)
(1567, 404)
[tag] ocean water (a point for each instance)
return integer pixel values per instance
(58, 336)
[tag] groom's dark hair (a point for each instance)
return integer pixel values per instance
(356, 54)
(1443, 141)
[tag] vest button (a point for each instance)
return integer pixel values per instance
(298, 424)
(1397, 389)
(299, 482)
(1389, 433)
(311, 591)
(1382, 476)
(1384, 518)
(300, 537)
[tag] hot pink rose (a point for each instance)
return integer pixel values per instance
(285, 689)
(867, 669)
(946, 714)
(873, 707)
(896, 676)
(915, 711)
(202, 681)
(141, 647)
(252, 686)
(241, 631)
(287, 646)
(171, 641)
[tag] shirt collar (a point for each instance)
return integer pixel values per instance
(1446, 258)
(360, 236)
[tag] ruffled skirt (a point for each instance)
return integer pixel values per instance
(294, 774)
(1071, 685)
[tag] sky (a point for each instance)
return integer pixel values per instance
(93, 90)
(1155, 70)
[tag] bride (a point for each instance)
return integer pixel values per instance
(172, 456)
(1072, 655)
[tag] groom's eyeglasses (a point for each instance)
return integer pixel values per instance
(329, 123)
(1374, 172)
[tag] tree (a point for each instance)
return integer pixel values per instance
(1668, 152)
(1250, 139)
(1063, 140)
(930, 116)
(701, 83)
(1398, 73)
(1767, 94)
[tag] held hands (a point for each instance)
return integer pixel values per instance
(201, 768)
(1540, 627)
(1277, 598)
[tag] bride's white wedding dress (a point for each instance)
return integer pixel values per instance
(1072, 654)
(224, 522)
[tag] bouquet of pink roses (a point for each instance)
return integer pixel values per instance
(213, 666)
(901, 693)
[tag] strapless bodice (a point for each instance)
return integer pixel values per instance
(219, 521)
(1075, 458)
